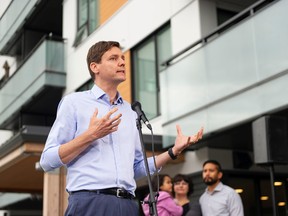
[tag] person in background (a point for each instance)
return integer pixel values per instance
(95, 137)
(182, 189)
(218, 199)
(166, 205)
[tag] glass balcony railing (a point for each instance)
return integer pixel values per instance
(237, 76)
(9, 23)
(45, 67)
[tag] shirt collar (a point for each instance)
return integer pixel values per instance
(217, 188)
(100, 94)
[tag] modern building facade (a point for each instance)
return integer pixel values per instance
(220, 64)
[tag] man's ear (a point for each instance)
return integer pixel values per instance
(94, 67)
(220, 174)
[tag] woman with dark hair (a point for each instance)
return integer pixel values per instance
(166, 205)
(182, 189)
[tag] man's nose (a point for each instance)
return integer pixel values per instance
(121, 62)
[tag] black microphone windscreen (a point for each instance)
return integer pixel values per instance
(136, 104)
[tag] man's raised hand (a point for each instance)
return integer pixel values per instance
(100, 127)
(183, 141)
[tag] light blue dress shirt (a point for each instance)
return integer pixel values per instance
(223, 201)
(115, 160)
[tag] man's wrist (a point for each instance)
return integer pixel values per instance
(171, 154)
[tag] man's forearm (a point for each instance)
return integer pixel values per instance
(73, 148)
(164, 157)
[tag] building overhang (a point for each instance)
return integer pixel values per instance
(18, 157)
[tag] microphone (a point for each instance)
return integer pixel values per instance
(136, 106)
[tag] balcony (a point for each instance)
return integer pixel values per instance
(36, 87)
(232, 77)
(34, 19)
(10, 23)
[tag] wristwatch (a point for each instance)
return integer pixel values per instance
(172, 156)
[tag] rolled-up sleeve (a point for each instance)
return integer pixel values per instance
(62, 131)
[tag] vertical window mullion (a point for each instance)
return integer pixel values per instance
(88, 17)
(157, 75)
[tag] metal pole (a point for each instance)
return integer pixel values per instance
(271, 168)
(151, 200)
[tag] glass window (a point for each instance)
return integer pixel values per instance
(256, 192)
(163, 46)
(267, 198)
(147, 59)
(82, 12)
(93, 15)
(87, 19)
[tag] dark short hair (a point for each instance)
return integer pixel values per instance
(96, 52)
(181, 177)
(215, 162)
(161, 181)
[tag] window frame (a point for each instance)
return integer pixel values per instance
(84, 30)
(157, 65)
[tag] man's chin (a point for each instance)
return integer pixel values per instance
(122, 79)
(209, 183)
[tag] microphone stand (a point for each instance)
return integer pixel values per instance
(151, 198)
(271, 169)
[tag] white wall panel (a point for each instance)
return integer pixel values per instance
(131, 24)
